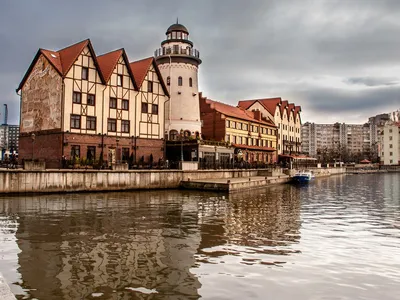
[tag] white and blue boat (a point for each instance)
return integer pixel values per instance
(303, 177)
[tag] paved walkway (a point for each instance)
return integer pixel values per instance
(5, 292)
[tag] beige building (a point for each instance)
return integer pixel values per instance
(389, 141)
(286, 117)
(87, 107)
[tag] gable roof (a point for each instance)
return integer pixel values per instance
(69, 55)
(62, 60)
(108, 61)
(236, 112)
(140, 68)
(269, 104)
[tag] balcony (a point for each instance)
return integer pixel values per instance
(167, 51)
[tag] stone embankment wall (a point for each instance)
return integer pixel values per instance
(53, 181)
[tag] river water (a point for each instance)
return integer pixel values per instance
(338, 238)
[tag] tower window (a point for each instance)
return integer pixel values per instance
(173, 35)
(176, 49)
(180, 81)
(168, 80)
(190, 82)
(179, 35)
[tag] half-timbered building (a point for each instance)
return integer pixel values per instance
(84, 107)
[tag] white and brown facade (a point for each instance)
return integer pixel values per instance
(285, 115)
(77, 104)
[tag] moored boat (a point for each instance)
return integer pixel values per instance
(303, 177)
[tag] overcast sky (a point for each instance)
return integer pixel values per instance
(338, 59)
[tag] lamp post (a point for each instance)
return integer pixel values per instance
(116, 150)
(33, 141)
(182, 144)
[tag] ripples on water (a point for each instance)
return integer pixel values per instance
(338, 238)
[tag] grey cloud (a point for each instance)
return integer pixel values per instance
(372, 81)
(243, 44)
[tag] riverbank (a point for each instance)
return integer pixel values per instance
(67, 181)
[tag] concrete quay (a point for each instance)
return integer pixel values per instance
(233, 184)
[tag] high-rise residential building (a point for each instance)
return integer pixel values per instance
(286, 116)
(336, 141)
(389, 141)
(9, 136)
(83, 106)
(179, 62)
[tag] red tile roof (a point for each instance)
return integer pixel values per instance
(69, 55)
(253, 147)
(108, 61)
(140, 68)
(268, 103)
(54, 58)
(236, 112)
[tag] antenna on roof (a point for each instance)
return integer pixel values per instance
(177, 20)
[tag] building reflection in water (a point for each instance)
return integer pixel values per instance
(75, 245)
(71, 246)
(262, 224)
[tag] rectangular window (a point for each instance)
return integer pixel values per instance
(75, 151)
(77, 97)
(91, 152)
(240, 140)
(244, 126)
(76, 121)
(91, 99)
(239, 125)
(391, 146)
(150, 86)
(227, 138)
(390, 153)
(125, 126)
(125, 105)
(228, 123)
(154, 109)
(233, 124)
(234, 139)
(112, 125)
(145, 108)
(125, 154)
(85, 73)
(119, 80)
(91, 123)
(113, 102)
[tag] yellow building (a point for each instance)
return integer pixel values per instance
(252, 134)
(286, 117)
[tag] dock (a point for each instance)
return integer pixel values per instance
(233, 184)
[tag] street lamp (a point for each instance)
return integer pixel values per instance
(33, 140)
(181, 144)
(117, 140)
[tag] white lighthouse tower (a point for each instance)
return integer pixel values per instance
(178, 62)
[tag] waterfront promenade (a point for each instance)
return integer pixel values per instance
(56, 181)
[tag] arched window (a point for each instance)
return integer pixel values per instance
(180, 81)
(190, 82)
(187, 133)
(168, 80)
(173, 135)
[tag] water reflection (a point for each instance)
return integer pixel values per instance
(339, 236)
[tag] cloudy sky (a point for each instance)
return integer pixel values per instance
(338, 59)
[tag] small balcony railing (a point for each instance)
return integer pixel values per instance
(177, 51)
